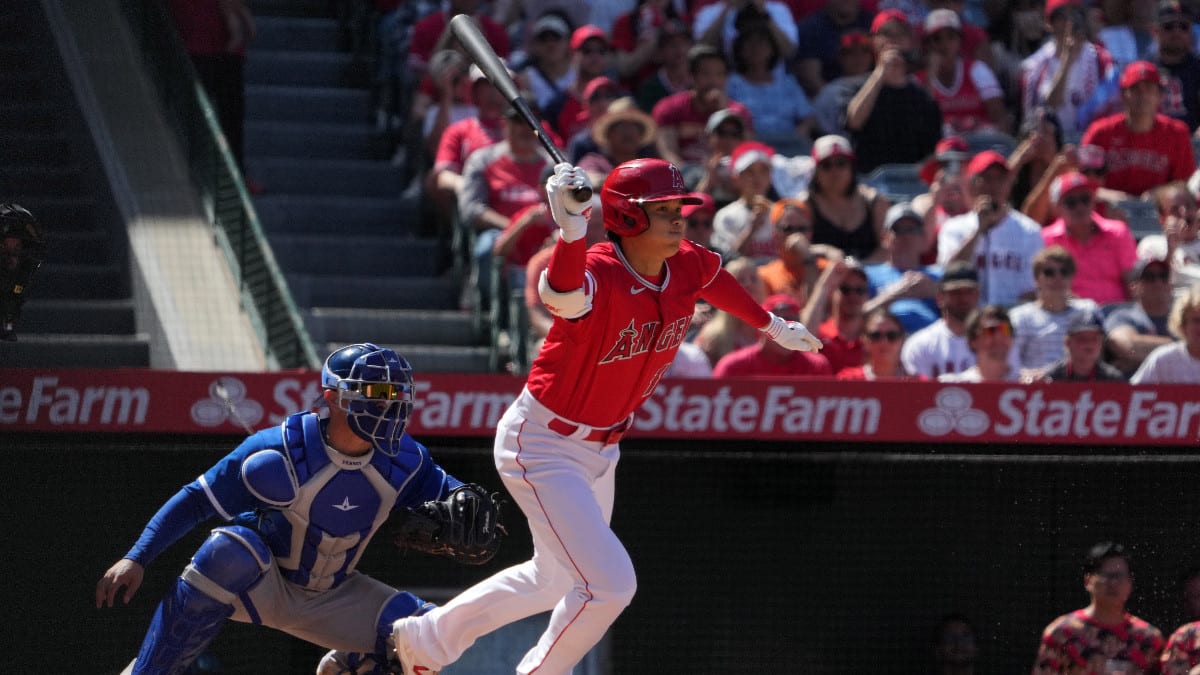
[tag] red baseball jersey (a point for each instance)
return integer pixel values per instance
(1140, 162)
(462, 138)
(599, 368)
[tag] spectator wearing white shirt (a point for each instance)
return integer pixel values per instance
(997, 239)
(941, 347)
(990, 336)
(1040, 326)
(1177, 362)
(1179, 244)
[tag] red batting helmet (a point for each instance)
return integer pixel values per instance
(637, 182)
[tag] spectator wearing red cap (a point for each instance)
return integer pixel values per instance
(1179, 64)
(766, 359)
(966, 90)
(947, 196)
(591, 57)
(597, 96)
(892, 119)
(998, 240)
(742, 226)
(1103, 249)
(1067, 70)
(816, 61)
(1144, 148)
(682, 117)
(671, 75)
(780, 109)
(856, 59)
(846, 214)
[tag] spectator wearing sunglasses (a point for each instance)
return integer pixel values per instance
(1179, 243)
(901, 283)
(846, 213)
(1041, 324)
(883, 336)
(836, 306)
(1103, 249)
(794, 268)
(1136, 330)
(1179, 65)
(990, 337)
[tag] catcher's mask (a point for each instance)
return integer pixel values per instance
(374, 388)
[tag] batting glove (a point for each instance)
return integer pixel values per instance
(570, 214)
(791, 334)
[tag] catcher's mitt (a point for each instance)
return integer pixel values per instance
(465, 526)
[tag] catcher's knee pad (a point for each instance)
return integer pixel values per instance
(229, 562)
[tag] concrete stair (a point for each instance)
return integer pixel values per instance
(79, 312)
(341, 221)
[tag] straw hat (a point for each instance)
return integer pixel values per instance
(624, 109)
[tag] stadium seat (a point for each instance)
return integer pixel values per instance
(1143, 217)
(898, 182)
(978, 141)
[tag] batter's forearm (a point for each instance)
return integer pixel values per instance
(724, 292)
(565, 272)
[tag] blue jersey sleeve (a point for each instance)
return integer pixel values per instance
(430, 481)
(182, 513)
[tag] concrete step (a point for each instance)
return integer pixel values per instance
(385, 255)
(75, 351)
(350, 177)
(101, 317)
(406, 326)
(294, 67)
(295, 33)
(311, 213)
(59, 281)
(88, 247)
(368, 290)
(34, 177)
(326, 105)
(310, 141)
(435, 358)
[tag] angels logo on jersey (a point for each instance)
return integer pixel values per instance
(632, 341)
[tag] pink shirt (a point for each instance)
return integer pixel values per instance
(1101, 261)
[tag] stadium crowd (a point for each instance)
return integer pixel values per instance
(962, 190)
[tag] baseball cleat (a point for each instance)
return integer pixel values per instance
(404, 650)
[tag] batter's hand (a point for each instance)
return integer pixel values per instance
(570, 214)
(791, 334)
(125, 573)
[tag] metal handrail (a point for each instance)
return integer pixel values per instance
(265, 295)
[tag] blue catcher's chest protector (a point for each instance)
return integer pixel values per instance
(325, 505)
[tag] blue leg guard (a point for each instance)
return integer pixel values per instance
(229, 562)
(383, 661)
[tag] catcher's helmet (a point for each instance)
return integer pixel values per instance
(638, 182)
(16, 221)
(375, 389)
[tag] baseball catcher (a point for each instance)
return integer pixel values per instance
(465, 526)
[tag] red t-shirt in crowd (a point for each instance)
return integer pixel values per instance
(842, 353)
(1143, 161)
(462, 138)
(532, 238)
(752, 362)
(678, 112)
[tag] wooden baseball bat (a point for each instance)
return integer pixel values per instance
(493, 68)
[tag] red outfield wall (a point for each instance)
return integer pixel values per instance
(132, 400)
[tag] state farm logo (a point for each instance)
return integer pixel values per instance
(227, 402)
(953, 413)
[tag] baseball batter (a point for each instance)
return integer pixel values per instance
(621, 309)
(303, 500)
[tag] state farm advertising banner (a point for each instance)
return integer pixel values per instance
(156, 401)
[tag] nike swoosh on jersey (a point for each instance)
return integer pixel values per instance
(634, 290)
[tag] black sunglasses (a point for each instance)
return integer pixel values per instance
(889, 335)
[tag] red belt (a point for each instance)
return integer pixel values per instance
(606, 436)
